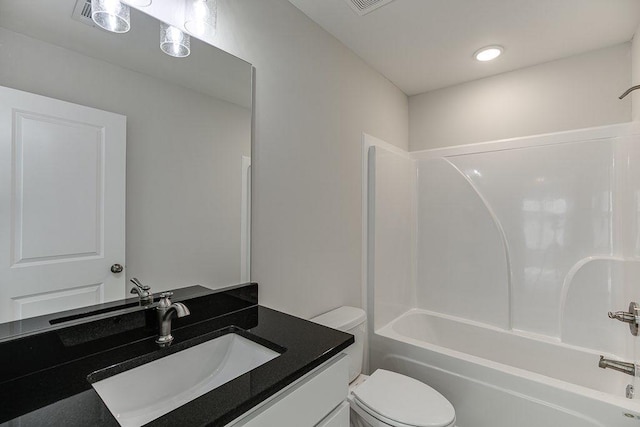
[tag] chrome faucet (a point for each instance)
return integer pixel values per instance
(625, 367)
(143, 291)
(166, 309)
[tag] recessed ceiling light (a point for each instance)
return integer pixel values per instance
(488, 53)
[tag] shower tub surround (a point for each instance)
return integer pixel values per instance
(491, 269)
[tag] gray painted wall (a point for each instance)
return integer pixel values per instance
(183, 160)
(577, 92)
(314, 99)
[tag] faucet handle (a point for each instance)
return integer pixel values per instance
(139, 284)
(623, 316)
(143, 291)
(632, 317)
(165, 302)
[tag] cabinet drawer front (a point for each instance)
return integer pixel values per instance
(338, 418)
(306, 402)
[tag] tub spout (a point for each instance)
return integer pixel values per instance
(625, 367)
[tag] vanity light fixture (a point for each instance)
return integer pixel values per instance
(137, 3)
(488, 53)
(174, 42)
(111, 15)
(200, 17)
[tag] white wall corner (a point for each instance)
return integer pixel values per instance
(635, 75)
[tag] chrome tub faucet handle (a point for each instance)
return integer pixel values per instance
(632, 317)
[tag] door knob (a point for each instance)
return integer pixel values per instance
(117, 268)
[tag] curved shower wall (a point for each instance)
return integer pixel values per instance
(462, 264)
(597, 285)
(555, 205)
(548, 208)
(538, 235)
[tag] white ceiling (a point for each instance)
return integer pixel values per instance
(422, 45)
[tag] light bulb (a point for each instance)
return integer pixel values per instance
(174, 42)
(200, 17)
(111, 15)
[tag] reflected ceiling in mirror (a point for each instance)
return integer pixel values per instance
(208, 70)
(188, 147)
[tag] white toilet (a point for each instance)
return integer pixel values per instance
(385, 398)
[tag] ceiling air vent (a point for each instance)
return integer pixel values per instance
(82, 12)
(362, 7)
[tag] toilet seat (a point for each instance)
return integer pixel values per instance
(399, 401)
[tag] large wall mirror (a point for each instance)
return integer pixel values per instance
(114, 153)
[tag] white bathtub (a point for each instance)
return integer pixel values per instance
(498, 378)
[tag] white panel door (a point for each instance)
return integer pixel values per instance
(62, 205)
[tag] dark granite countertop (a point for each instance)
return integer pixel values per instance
(39, 324)
(45, 377)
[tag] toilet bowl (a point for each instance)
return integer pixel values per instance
(390, 399)
(385, 398)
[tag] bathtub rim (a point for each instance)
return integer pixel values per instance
(387, 331)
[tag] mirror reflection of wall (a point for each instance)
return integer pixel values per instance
(188, 145)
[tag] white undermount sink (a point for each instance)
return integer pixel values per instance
(140, 395)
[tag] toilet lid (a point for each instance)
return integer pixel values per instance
(403, 400)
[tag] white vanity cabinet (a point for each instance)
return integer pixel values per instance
(315, 400)
(338, 418)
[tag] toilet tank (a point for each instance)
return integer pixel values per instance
(353, 321)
